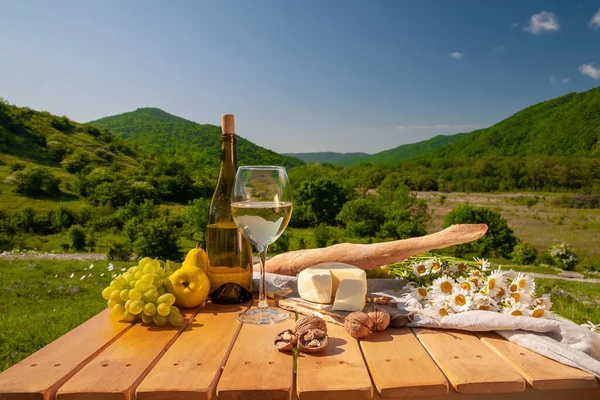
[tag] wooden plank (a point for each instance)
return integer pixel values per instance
(192, 365)
(115, 373)
(469, 365)
(541, 372)
(58, 361)
(338, 372)
(254, 369)
(400, 366)
(528, 394)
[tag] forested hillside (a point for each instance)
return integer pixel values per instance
(329, 157)
(157, 131)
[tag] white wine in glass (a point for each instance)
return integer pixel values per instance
(261, 208)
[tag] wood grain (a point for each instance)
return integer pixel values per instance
(541, 372)
(254, 369)
(116, 371)
(58, 361)
(400, 366)
(469, 365)
(338, 372)
(192, 366)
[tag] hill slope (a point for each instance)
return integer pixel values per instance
(158, 131)
(408, 151)
(330, 157)
(565, 126)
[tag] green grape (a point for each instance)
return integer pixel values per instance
(163, 309)
(160, 272)
(128, 277)
(112, 303)
(118, 310)
(143, 285)
(149, 268)
(144, 261)
(156, 280)
(135, 294)
(124, 294)
(132, 283)
(106, 293)
(147, 278)
(150, 295)
(131, 270)
(119, 282)
(147, 319)
(116, 296)
(136, 307)
(161, 290)
(138, 274)
(129, 317)
(159, 320)
(150, 309)
(175, 318)
(127, 304)
(167, 298)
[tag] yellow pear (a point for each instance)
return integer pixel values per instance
(190, 285)
(196, 257)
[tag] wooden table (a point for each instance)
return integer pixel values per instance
(213, 356)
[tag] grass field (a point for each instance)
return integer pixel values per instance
(540, 225)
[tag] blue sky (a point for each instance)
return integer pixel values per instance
(301, 75)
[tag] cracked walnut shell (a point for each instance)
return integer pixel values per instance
(312, 340)
(358, 324)
(286, 340)
(310, 322)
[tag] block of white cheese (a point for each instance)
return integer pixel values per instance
(346, 282)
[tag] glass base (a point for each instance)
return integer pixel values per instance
(263, 316)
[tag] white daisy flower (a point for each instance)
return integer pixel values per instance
(485, 265)
(437, 311)
(483, 302)
(521, 297)
(420, 269)
(515, 308)
(412, 304)
(420, 293)
(102, 274)
(82, 278)
(522, 283)
(594, 328)
(494, 282)
(460, 300)
(443, 286)
(91, 266)
(436, 266)
(462, 267)
(541, 312)
(466, 284)
(543, 301)
(72, 275)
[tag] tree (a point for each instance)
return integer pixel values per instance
(499, 240)
(34, 181)
(524, 254)
(77, 235)
(158, 239)
(320, 201)
(362, 217)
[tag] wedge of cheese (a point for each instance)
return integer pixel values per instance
(346, 282)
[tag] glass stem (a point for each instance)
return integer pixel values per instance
(262, 291)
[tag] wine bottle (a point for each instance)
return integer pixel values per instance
(229, 253)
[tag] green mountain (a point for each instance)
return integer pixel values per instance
(157, 131)
(408, 151)
(325, 157)
(565, 126)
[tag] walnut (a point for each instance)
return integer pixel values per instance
(312, 340)
(358, 324)
(286, 340)
(310, 322)
(380, 317)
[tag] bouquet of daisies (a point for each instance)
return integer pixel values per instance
(439, 288)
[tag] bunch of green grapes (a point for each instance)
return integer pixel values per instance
(140, 293)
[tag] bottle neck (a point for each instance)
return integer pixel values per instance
(228, 158)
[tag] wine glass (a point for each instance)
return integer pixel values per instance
(261, 207)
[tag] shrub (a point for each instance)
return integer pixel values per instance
(77, 235)
(118, 251)
(75, 162)
(323, 234)
(563, 255)
(362, 217)
(16, 166)
(323, 199)
(34, 181)
(499, 240)
(524, 254)
(158, 239)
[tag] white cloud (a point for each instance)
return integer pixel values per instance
(555, 80)
(456, 55)
(595, 21)
(514, 25)
(590, 70)
(499, 49)
(545, 21)
(437, 126)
